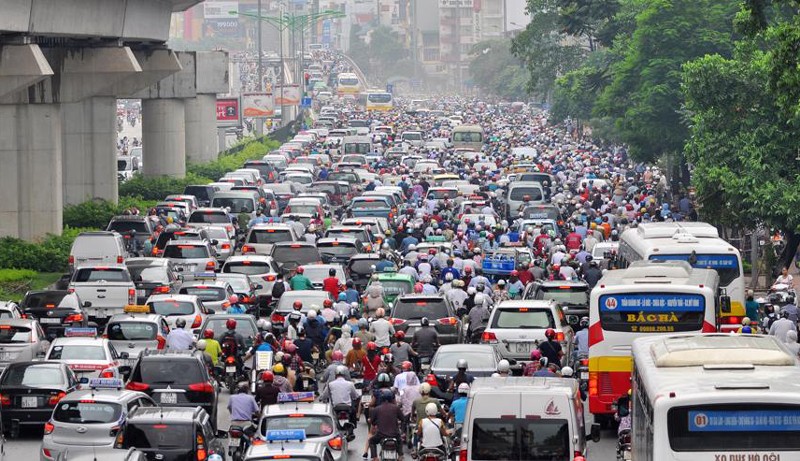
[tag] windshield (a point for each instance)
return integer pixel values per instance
(540, 213)
(77, 352)
(727, 266)
(745, 427)
(319, 273)
(126, 226)
(357, 148)
(162, 371)
(337, 249)
(396, 287)
(209, 217)
(301, 208)
(362, 266)
(237, 205)
(477, 359)
(299, 255)
(343, 176)
(308, 300)
(239, 285)
(168, 308)
(570, 296)
(205, 293)
(247, 268)
(149, 274)
(520, 439)
(314, 425)
(369, 204)
(89, 412)
(360, 235)
(186, 252)
(348, 81)
(33, 376)
(519, 193)
(144, 435)
(523, 318)
(380, 98)
(95, 274)
(439, 194)
(14, 334)
(415, 309)
(44, 299)
(652, 312)
(270, 236)
(466, 136)
(131, 331)
(122, 165)
(243, 327)
(201, 192)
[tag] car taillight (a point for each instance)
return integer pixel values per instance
(269, 278)
(277, 318)
(201, 448)
(120, 260)
(211, 265)
(462, 455)
(397, 321)
(54, 399)
(248, 249)
(163, 289)
(488, 337)
(73, 318)
(197, 321)
(5, 400)
(226, 246)
(114, 431)
(335, 443)
(107, 373)
(593, 383)
(162, 342)
(131, 296)
(732, 320)
(71, 259)
(448, 321)
(118, 441)
(201, 387)
(48, 428)
(137, 386)
(560, 336)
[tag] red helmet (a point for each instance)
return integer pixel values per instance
(514, 273)
(467, 269)
(400, 335)
(536, 355)
(298, 305)
(549, 333)
(231, 324)
(267, 376)
(337, 356)
(208, 333)
(406, 365)
(371, 346)
(300, 270)
(327, 303)
(356, 342)
(290, 348)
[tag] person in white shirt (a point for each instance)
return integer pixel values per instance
(785, 278)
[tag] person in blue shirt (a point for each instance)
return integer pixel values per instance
(408, 241)
(450, 270)
(384, 263)
(351, 292)
(235, 307)
(459, 406)
(513, 234)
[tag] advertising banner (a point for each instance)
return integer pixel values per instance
(228, 112)
(289, 96)
(258, 105)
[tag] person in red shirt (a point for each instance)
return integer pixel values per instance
(573, 241)
(370, 363)
(525, 276)
(332, 284)
(541, 241)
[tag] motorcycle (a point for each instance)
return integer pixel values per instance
(389, 450)
(231, 373)
(431, 454)
(624, 445)
(239, 441)
(345, 421)
(582, 373)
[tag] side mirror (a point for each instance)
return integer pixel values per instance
(210, 312)
(572, 319)
(594, 433)
(180, 269)
(359, 386)
(87, 304)
(84, 380)
(215, 242)
(258, 286)
(197, 332)
(124, 355)
(725, 304)
(125, 370)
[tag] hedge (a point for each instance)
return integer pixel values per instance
(96, 214)
(156, 188)
(50, 254)
(229, 162)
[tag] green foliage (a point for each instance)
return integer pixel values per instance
(590, 19)
(156, 188)
(15, 275)
(14, 283)
(50, 254)
(96, 214)
(380, 53)
(212, 171)
(497, 71)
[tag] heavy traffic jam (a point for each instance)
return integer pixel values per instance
(432, 278)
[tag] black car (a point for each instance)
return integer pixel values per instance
(153, 276)
(30, 390)
(408, 311)
(126, 224)
(55, 310)
(360, 268)
(175, 378)
(203, 193)
(170, 434)
(291, 255)
(571, 295)
(265, 168)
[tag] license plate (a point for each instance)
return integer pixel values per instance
(234, 442)
(141, 293)
(523, 348)
(585, 375)
(230, 369)
(365, 399)
(6, 356)
(169, 397)
(49, 321)
(30, 402)
(626, 455)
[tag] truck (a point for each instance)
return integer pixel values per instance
(104, 290)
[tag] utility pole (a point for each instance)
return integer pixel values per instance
(259, 122)
(413, 28)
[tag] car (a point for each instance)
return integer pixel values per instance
(317, 419)
(86, 354)
(191, 255)
(137, 227)
(395, 285)
(21, 340)
(203, 193)
(218, 217)
(360, 267)
(515, 328)
(604, 252)
(170, 433)
(261, 237)
(97, 247)
(167, 235)
(409, 310)
(173, 307)
(188, 199)
(30, 391)
(571, 295)
(338, 249)
(223, 244)
(290, 255)
(309, 298)
(55, 310)
(261, 270)
(362, 234)
(482, 360)
(176, 379)
(136, 330)
(242, 286)
(245, 326)
(292, 450)
(317, 273)
(214, 294)
(10, 310)
(104, 290)
(89, 418)
(153, 276)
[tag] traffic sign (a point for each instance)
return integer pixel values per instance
(389, 88)
(306, 103)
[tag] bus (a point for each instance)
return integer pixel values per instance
(468, 137)
(714, 397)
(648, 298)
(348, 83)
(699, 244)
(379, 101)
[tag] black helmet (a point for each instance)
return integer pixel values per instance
(424, 321)
(180, 323)
(332, 272)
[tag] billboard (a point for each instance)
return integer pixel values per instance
(228, 113)
(258, 105)
(456, 4)
(289, 96)
(221, 28)
(220, 10)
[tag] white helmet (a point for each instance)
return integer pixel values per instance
(430, 409)
(201, 345)
(567, 372)
(425, 389)
(503, 366)
(412, 247)
(463, 388)
(472, 291)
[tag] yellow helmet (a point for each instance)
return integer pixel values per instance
(278, 369)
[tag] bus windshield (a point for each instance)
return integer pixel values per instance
(652, 312)
(380, 98)
(348, 81)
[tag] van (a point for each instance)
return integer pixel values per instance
(519, 418)
(238, 202)
(357, 145)
(97, 248)
(414, 138)
(468, 137)
(517, 191)
(204, 193)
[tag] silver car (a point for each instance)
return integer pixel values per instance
(214, 294)
(88, 419)
(261, 270)
(317, 419)
(135, 332)
(191, 256)
(173, 307)
(21, 340)
(223, 244)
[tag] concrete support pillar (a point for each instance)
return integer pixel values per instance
(163, 137)
(90, 159)
(201, 128)
(30, 176)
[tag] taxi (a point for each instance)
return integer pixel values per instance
(89, 418)
(86, 354)
(21, 340)
(289, 444)
(394, 285)
(136, 330)
(174, 307)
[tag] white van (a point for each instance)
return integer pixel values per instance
(522, 418)
(97, 248)
(414, 138)
(517, 191)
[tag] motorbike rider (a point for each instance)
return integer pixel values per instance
(299, 281)
(382, 329)
(458, 408)
(232, 343)
(370, 363)
(267, 391)
(385, 421)
(242, 406)
(581, 339)
(401, 351)
(782, 326)
(179, 339)
(373, 297)
(551, 349)
(331, 284)
(504, 368)
(425, 340)
(297, 308)
(461, 376)
(337, 360)
(432, 430)
(235, 307)
(532, 366)
(213, 348)
(478, 315)
(342, 393)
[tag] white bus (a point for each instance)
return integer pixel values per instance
(648, 298)
(715, 397)
(699, 244)
(348, 83)
(378, 101)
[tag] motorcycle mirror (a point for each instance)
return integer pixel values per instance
(359, 386)
(594, 433)
(725, 304)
